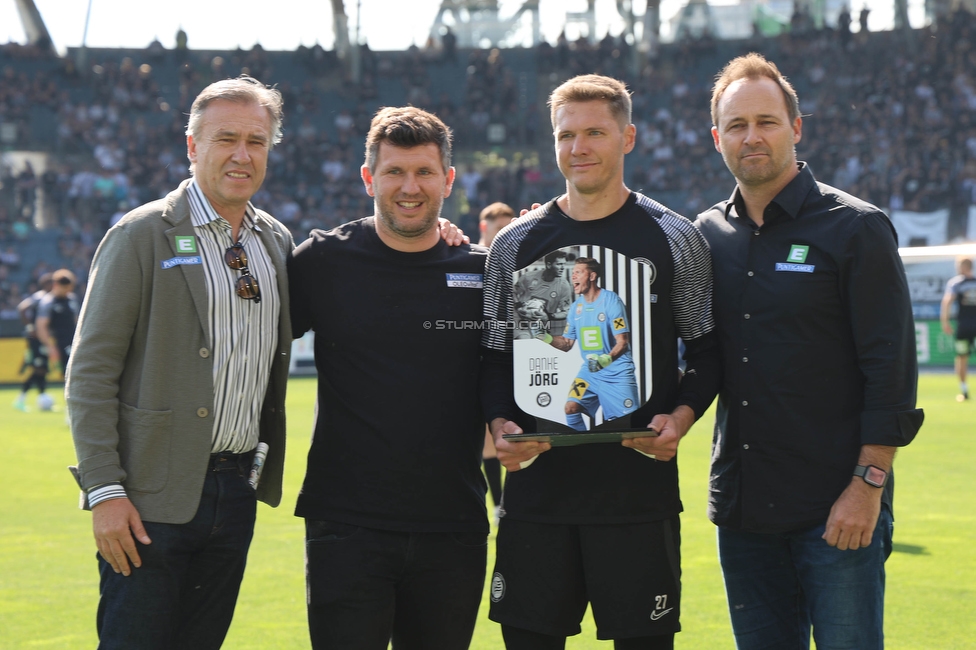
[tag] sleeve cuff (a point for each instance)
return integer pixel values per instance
(105, 492)
(890, 428)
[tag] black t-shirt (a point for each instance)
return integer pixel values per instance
(29, 314)
(63, 314)
(399, 429)
(963, 290)
(659, 265)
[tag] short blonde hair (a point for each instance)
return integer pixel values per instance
(591, 88)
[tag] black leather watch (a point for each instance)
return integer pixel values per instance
(873, 476)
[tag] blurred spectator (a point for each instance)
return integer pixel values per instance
(449, 46)
(181, 45)
(10, 258)
(862, 18)
(25, 189)
(844, 26)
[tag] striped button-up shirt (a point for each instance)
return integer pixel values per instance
(243, 333)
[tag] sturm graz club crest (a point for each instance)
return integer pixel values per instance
(650, 266)
(497, 587)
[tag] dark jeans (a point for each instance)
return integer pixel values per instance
(183, 595)
(778, 585)
(366, 586)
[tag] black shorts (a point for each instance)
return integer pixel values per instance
(630, 574)
(964, 341)
(38, 356)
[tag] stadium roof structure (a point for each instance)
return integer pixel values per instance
(34, 27)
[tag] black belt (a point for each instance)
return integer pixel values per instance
(225, 461)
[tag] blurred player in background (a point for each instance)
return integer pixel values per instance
(492, 219)
(57, 315)
(961, 290)
(35, 357)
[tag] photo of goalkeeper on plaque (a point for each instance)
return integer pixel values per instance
(544, 293)
(589, 375)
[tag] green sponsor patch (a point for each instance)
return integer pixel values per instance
(186, 244)
(591, 338)
(798, 254)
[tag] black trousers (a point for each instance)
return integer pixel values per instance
(367, 586)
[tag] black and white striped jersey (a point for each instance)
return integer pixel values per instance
(659, 266)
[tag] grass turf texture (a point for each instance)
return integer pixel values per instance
(48, 580)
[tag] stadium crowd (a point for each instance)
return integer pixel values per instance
(890, 117)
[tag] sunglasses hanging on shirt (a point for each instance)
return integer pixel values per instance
(247, 284)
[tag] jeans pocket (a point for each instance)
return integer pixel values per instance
(324, 532)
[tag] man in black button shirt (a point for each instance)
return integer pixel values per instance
(813, 314)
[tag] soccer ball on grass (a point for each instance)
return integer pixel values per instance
(45, 402)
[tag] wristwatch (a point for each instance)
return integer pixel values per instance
(873, 476)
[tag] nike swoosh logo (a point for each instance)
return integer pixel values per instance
(655, 615)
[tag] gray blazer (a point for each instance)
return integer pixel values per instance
(140, 381)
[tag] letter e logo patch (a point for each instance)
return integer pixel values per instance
(186, 244)
(798, 254)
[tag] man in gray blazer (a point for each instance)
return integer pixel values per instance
(178, 372)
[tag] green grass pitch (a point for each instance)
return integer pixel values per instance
(48, 580)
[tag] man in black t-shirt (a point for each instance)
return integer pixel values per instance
(596, 523)
(961, 290)
(35, 357)
(57, 315)
(393, 497)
